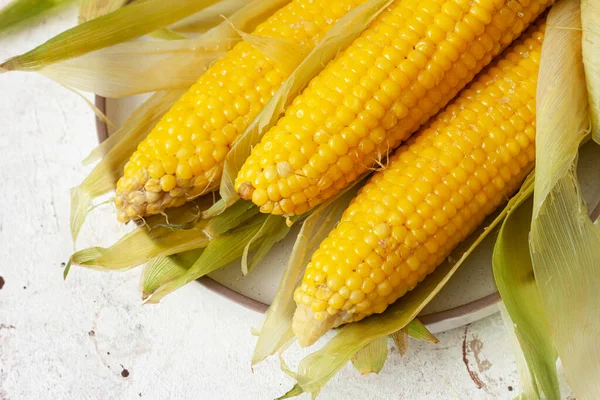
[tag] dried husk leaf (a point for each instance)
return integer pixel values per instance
(139, 67)
(122, 25)
(564, 242)
(590, 16)
(400, 338)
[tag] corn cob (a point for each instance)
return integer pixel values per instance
(436, 190)
(182, 158)
(411, 61)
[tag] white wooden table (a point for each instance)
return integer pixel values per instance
(90, 337)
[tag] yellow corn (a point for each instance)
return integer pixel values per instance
(434, 193)
(411, 61)
(182, 158)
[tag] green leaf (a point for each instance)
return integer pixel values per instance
(513, 273)
(129, 22)
(20, 11)
(371, 358)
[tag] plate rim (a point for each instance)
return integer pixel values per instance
(462, 311)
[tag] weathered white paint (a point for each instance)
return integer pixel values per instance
(195, 345)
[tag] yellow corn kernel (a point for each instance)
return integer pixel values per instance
(403, 253)
(193, 138)
(386, 84)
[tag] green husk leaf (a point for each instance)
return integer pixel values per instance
(316, 369)
(124, 24)
(90, 9)
(590, 15)
(372, 357)
(524, 315)
(160, 236)
(118, 148)
(243, 14)
(220, 251)
(564, 242)
(340, 36)
(162, 270)
(236, 214)
(400, 338)
(277, 328)
(67, 270)
(273, 230)
(182, 231)
(209, 17)
(417, 330)
(293, 392)
(20, 11)
(139, 67)
(414, 329)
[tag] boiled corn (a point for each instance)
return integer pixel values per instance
(410, 62)
(433, 194)
(182, 158)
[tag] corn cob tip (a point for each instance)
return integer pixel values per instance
(142, 195)
(308, 328)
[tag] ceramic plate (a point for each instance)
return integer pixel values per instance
(469, 296)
